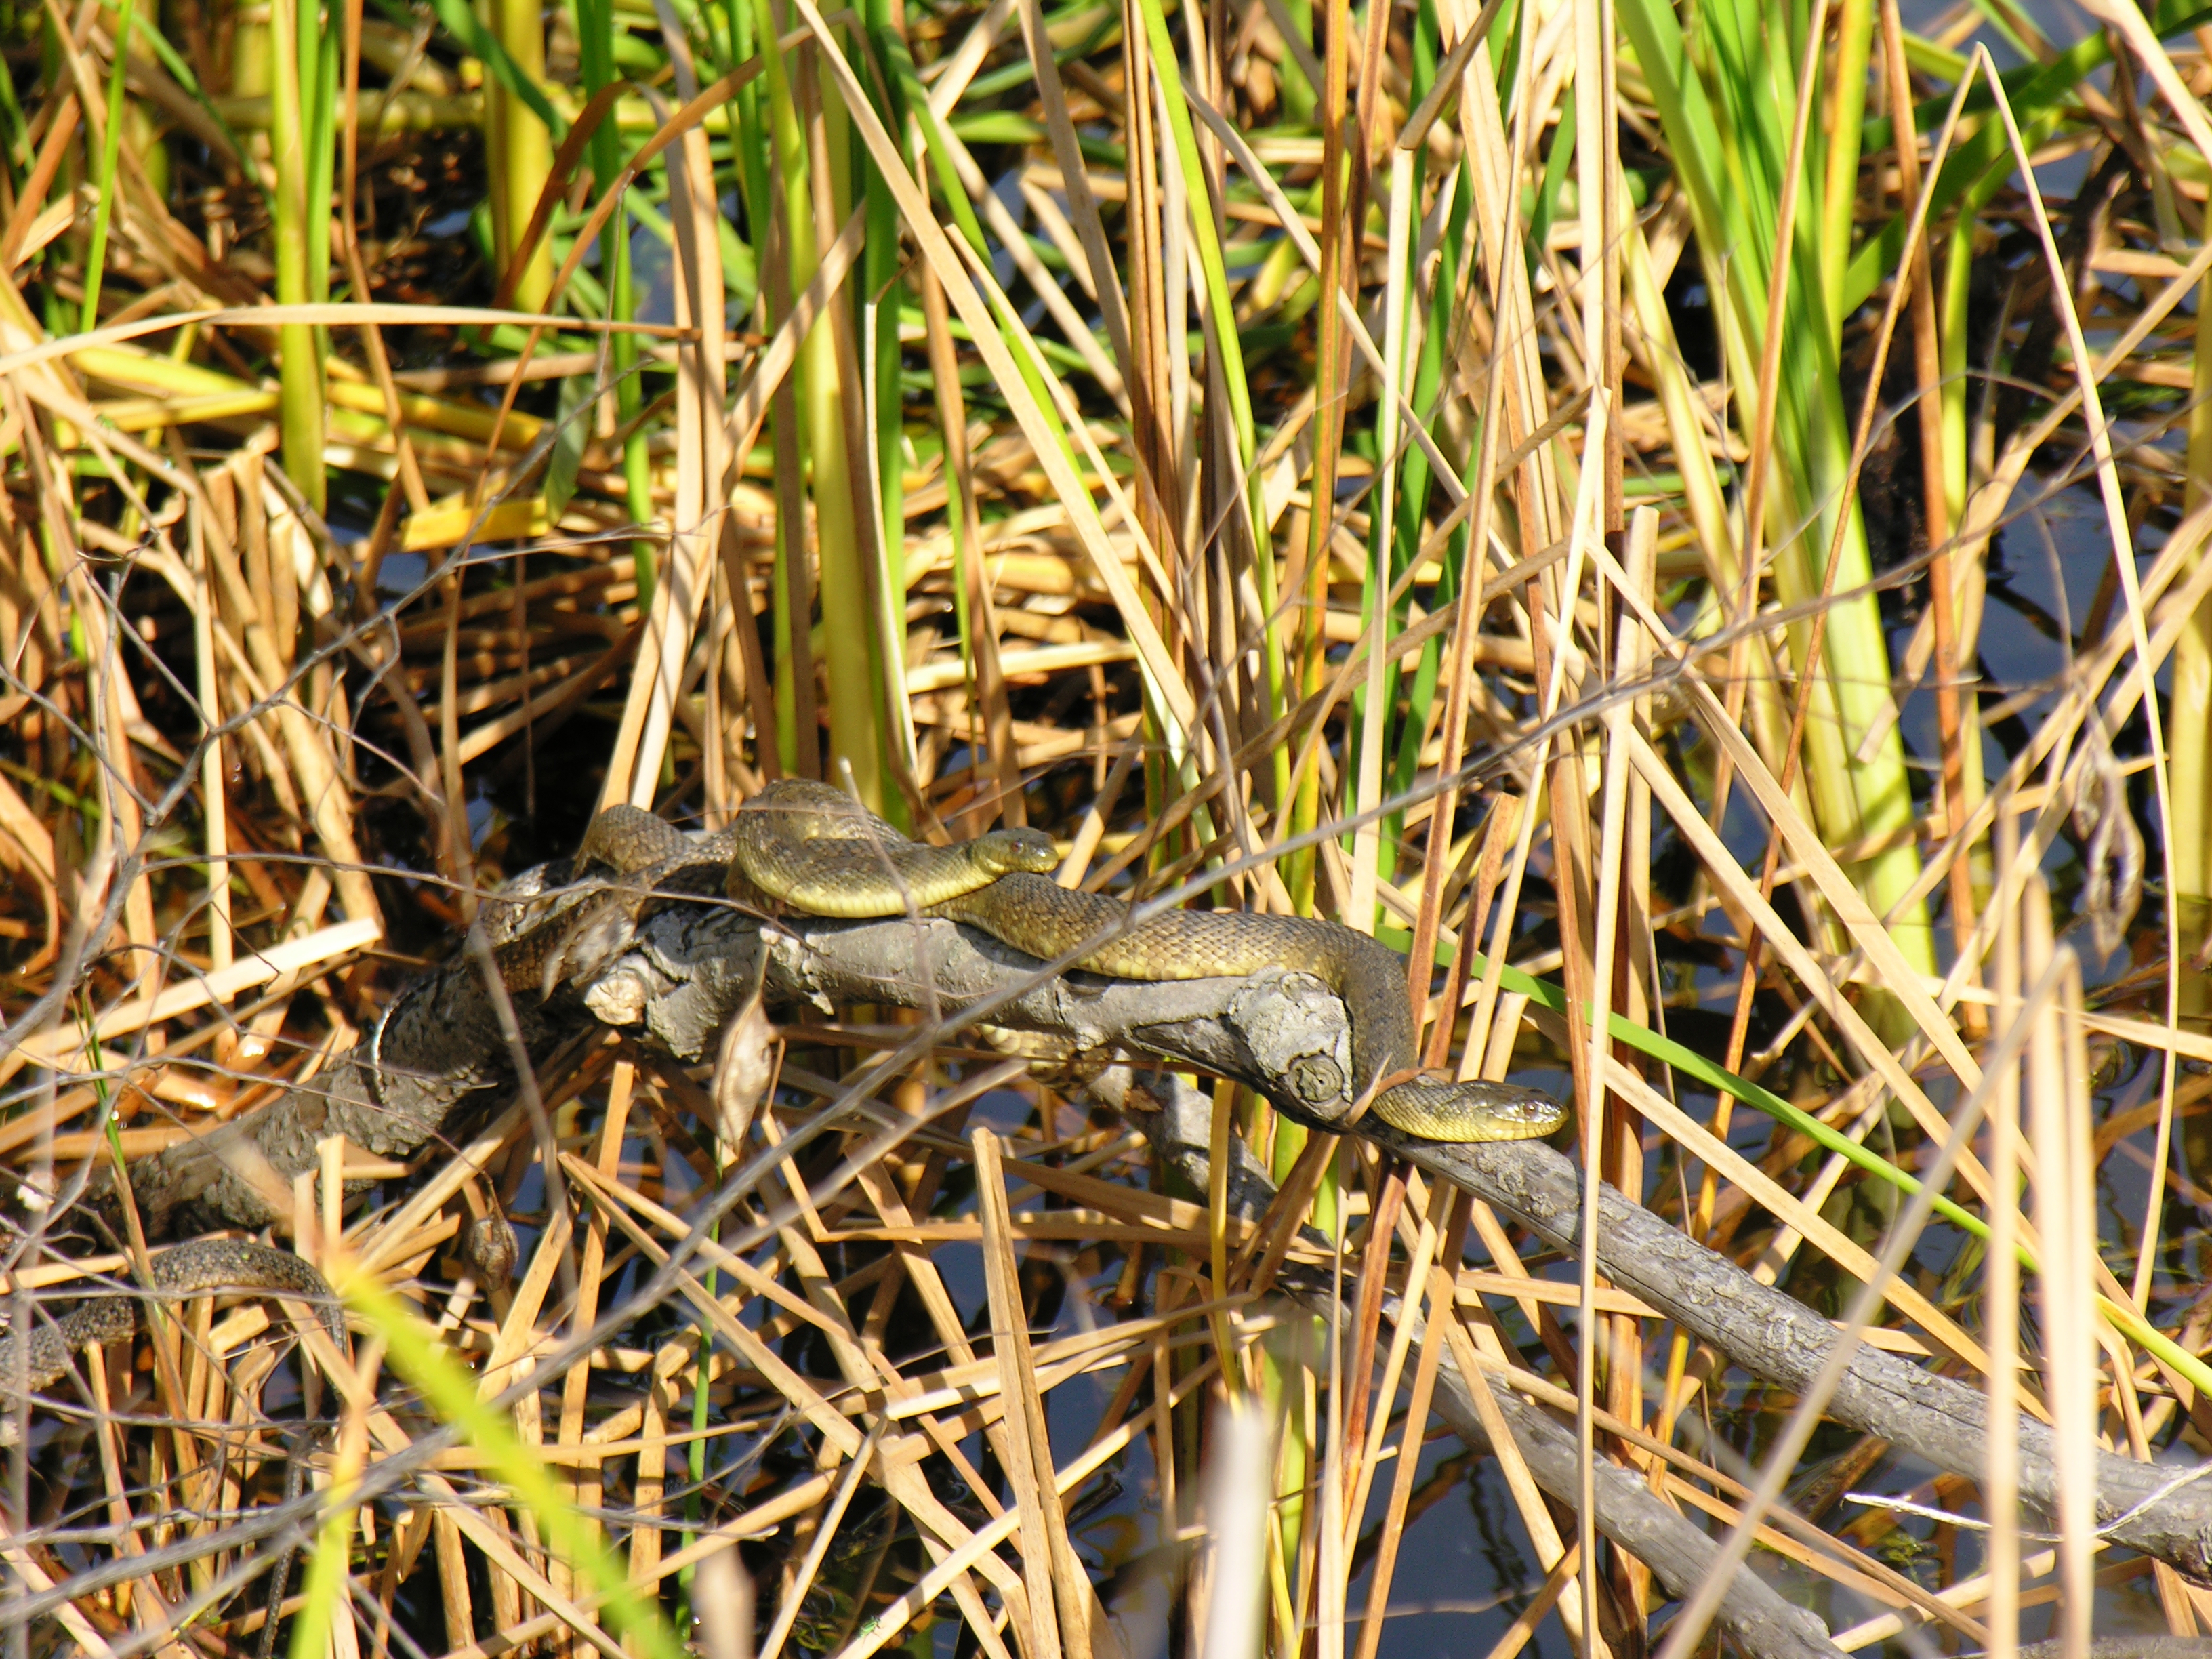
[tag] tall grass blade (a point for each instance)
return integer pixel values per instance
(290, 46)
(449, 1393)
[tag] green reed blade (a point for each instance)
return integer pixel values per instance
(1727, 119)
(1225, 342)
(461, 23)
(299, 377)
(596, 54)
(325, 1590)
(856, 673)
(111, 156)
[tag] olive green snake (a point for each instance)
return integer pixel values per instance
(807, 847)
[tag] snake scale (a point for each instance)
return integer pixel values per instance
(188, 1269)
(809, 847)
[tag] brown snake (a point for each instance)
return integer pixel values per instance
(188, 1269)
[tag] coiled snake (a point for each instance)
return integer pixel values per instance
(807, 846)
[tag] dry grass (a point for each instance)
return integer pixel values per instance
(263, 744)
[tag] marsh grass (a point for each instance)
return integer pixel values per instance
(1556, 487)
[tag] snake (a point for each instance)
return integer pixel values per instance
(192, 1268)
(808, 847)
(568, 935)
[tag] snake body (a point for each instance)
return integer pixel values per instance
(189, 1269)
(824, 861)
(806, 845)
(1033, 914)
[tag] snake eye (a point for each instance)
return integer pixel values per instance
(1023, 848)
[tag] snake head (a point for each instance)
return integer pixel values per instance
(1433, 1106)
(1003, 851)
(1515, 1113)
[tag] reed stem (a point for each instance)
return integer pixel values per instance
(300, 418)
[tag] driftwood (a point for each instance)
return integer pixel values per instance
(2162, 1511)
(435, 1061)
(440, 1057)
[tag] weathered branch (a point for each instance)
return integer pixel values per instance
(2155, 1509)
(437, 1059)
(1175, 1118)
